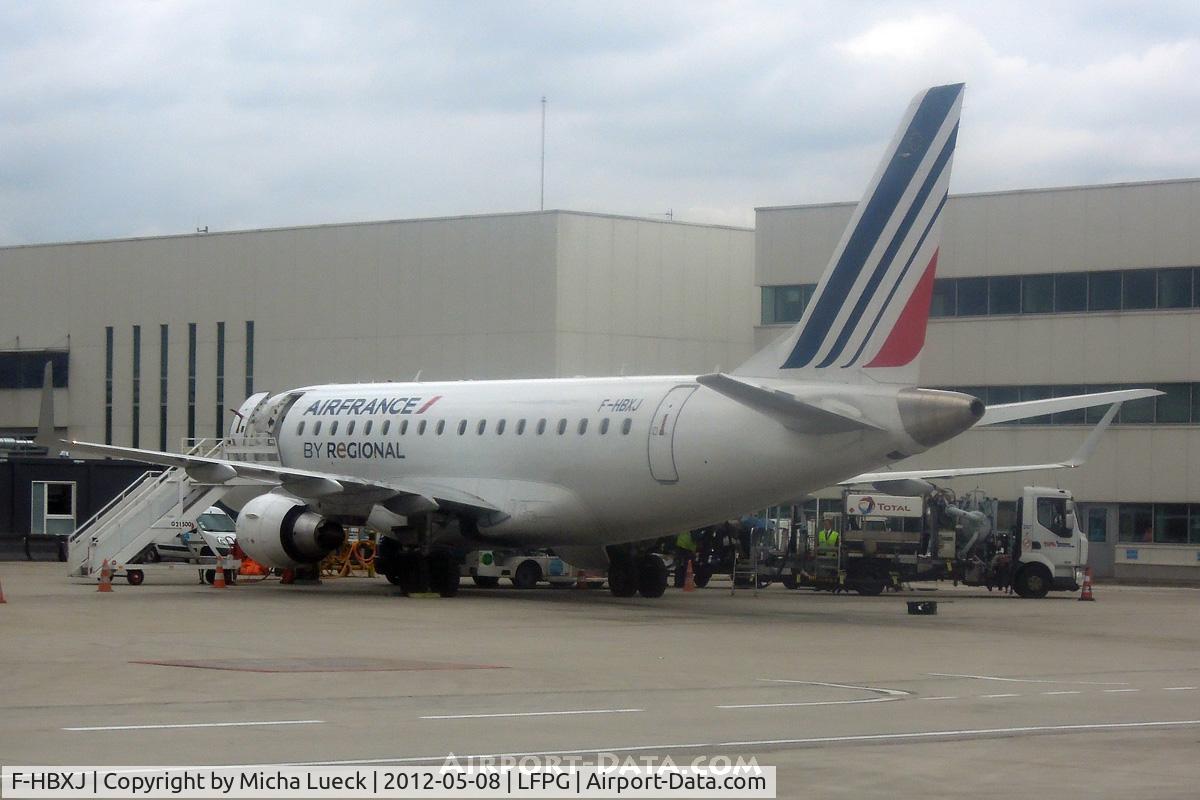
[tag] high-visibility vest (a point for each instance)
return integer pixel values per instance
(684, 541)
(827, 540)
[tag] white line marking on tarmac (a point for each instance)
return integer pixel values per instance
(199, 725)
(1072, 692)
(943, 697)
(870, 737)
(814, 703)
(536, 713)
(1116, 691)
(1014, 695)
(1023, 680)
(1180, 688)
(889, 692)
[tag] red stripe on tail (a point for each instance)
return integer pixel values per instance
(908, 335)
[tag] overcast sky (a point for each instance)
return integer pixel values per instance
(124, 119)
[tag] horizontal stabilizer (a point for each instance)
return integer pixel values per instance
(1078, 459)
(1009, 412)
(798, 415)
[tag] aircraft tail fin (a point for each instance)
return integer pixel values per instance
(866, 320)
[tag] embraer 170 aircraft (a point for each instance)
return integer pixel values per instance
(586, 466)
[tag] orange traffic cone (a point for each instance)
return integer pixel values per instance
(105, 577)
(1086, 594)
(219, 574)
(689, 578)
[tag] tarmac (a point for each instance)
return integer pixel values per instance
(846, 696)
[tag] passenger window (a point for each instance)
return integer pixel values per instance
(350, 428)
(626, 426)
(604, 426)
(367, 427)
(541, 427)
(421, 428)
(333, 428)
(317, 428)
(387, 426)
(520, 427)
(300, 428)
(500, 428)
(582, 427)
(441, 426)
(481, 427)
(462, 427)
(403, 427)
(562, 427)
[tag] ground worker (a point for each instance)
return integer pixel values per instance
(685, 553)
(827, 539)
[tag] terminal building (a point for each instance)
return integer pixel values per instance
(1040, 293)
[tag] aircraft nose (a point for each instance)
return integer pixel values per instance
(931, 417)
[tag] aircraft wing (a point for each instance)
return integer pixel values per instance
(1008, 412)
(799, 415)
(1079, 458)
(401, 497)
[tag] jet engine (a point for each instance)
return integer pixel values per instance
(280, 531)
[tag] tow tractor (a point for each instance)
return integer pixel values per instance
(526, 569)
(887, 540)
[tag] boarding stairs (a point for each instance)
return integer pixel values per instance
(159, 504)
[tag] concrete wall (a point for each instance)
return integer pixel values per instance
(499, 296)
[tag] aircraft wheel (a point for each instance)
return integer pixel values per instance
(486, 581)
(393, 578)
(622, 575)
(443, 574)
(701, 576)
(652, 576)
(527, 575)
(789, 581)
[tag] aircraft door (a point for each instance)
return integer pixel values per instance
(662, 434)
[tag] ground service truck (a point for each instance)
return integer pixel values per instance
(1033, 547)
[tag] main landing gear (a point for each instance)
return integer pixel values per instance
(629, 574)
(418, 571)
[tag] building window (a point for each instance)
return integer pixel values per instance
(1175, 405)
(943, 304)
(220, 428)
(136, 420)
(1004, 294)
(249, 357)
(1071, 291)
(191, 382)
(1104, 291)
(1171, 523)
(1037, 294)
(163, 353)
(782, 304)
(1174, 288)
(972, 297)
(26, 369)
(108, 385)
(1139, 289)
(52, 508)
(1135, 523)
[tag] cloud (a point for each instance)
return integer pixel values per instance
(124, 119)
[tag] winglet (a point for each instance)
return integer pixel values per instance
(45, 433)
(1089, 444)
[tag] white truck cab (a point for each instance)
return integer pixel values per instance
(1050, 549)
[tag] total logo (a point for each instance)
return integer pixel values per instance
(866, 505)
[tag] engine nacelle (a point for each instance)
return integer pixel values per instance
(278, 531)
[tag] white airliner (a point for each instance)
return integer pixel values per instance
(586, 466)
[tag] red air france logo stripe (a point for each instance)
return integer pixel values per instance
(432, 400)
